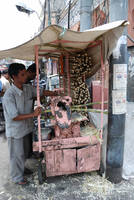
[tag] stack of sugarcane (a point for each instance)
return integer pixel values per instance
(80, 66)
(80, 92)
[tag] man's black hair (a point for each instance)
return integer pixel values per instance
(15, 68)
(5, 71)
(32, 68)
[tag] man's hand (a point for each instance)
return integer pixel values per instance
(58, 91)
(55, 93)
(37, 112)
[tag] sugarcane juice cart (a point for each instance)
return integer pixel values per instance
(72, 153)
(68, 153)
(79, 55)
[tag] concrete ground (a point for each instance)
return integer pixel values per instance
(84, 186)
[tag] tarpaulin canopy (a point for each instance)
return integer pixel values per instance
(55, 37)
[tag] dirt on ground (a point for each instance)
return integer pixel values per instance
(84, 186)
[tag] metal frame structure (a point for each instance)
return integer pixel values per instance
(39, 52)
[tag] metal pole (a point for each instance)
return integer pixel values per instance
(44, 17)
(49, 13)
(117, 92)
(69, 7)
(85, 14)
(68, 74)
(86, 21)
(38, 96)
(102, 88)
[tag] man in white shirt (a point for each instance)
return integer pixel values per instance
(19, 113)
(5, 80)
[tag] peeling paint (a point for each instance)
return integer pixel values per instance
(131, 66)
(130, 78)
(117, 51)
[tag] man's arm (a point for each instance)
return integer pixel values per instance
(50, 93)
(44, 93)
(47, 93)
(36, 112)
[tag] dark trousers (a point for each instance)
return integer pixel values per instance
(28, 145)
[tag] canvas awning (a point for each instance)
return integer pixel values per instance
(56, 37)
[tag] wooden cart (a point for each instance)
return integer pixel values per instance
(70, 155)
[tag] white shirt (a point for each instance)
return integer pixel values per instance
(5, 83)
(17, 102)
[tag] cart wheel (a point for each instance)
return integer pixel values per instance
(40, 174)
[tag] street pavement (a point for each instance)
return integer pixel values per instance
(84, 186)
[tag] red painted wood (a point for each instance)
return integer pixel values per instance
(96, 94)
(70, 161)
(60, 162)
(67, 143)
(88, 158)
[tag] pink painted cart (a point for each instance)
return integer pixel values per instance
(70, 155)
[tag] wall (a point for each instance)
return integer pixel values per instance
(100, 14)
(74, 16)
(131, 21)
(128, 163)
(130, 82)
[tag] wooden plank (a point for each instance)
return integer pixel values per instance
(68, 142)
(60, 162)
(69, 146)
(88, 158)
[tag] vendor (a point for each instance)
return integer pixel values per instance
(18, 111)
(31, 73)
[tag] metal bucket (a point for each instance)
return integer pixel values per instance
(45, 133)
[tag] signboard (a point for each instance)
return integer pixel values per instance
(120, 76)
(119, 101)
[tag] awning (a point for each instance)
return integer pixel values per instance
(55, 37)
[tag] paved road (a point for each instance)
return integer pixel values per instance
(4, 164)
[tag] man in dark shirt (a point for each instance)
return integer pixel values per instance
(31, 73)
